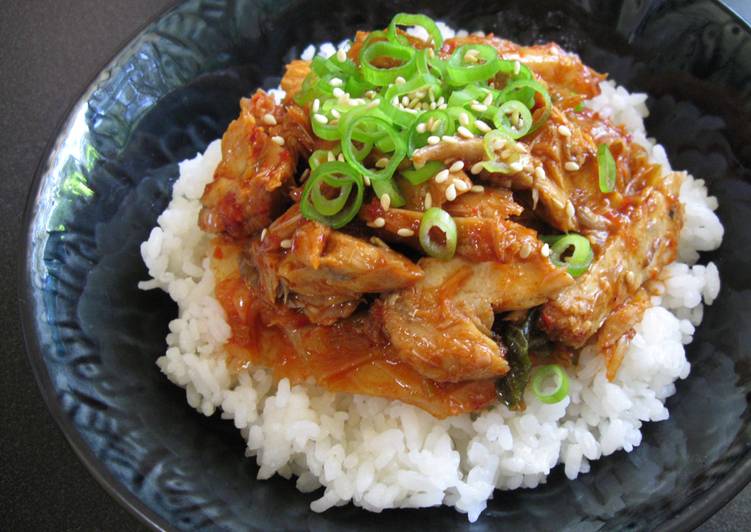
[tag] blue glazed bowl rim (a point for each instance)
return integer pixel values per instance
(688, 518)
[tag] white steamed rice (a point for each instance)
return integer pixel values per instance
(382, 454)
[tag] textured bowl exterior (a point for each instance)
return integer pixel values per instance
(93, 337)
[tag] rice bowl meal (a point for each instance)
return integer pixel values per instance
(433, 264)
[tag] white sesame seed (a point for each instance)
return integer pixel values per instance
(476, 168)
(477, 188)
(565, 131)
(375, 103)
(340, 158)
(535, 197)
(540, 172)
(335, 82)
(545, 251)
(571, 166)
(432, 140)
(338, 93)
(450, 139)
(458, 165)
(341, 55)
(516, 166)
(378, 222)
(479, 107)
(316, 105)
(335, 113)
(525, 250)
(383, 162)
(264, 233)
(371, 94)
(464, 119)
(461, 186)
(269, 119)
(400, 80)
(442, 176)
(418, 164)
(276, 139)
(286, 243)
(517, 67)
(421, 127)
(464, 132)
(570, 210)
(395, 101)
(451, 193)
(499, 143)
(330, 156)
(488, 99)
(385, 202)
(320, 118)
(405, 100)
(443, 106)
(405, 232)
(428, 202)
(482, 126)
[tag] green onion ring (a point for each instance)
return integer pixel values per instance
(372, 128)
(420, 175)
(502, 120)
(315, 206)
(418, 140)
(515, 91)
(435, 217)
(383, 76)
(409, 19)
(579, 261)
(606, 168)
(561, 390)
(461, 73)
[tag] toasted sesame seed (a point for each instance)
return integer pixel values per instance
(458, 165)
(571, 166)
(477, 188)
(450, 139)
(464, 119)
(286, 243)
(482, 126)
(331, 157)
(505, 154)
(338, 93)
(418, 164)
(264, 233)
(432, 140)
(442, 176)
(371, 94)
(570, 210)
(565, 131)
(428, 202)
(366, 179)
(405, 100)
(269, 119)
(320, 118)
(340, 158)
(476, 168)
(336, 82)
(631, 279)
(405, 232)
(276, 139)
(525, 250)
(316, 105)
(375, 103)
(341, 55)
(540, 172)
(499, 143)
(488, 99)
(335, 113)
(400, 80)
(479, 107)
(378, 222)
(421, 127)
(535, 197)
(517, 67)
(516, 166)
(385, 202)
(545, 251)
(383, 162)
(451, 193)
(461, 186)
(464, 132)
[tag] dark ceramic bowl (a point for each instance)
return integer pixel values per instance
(93, 337)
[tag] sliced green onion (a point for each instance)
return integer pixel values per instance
(494, 165)
(409, 19)
(513, 118)
(367, 128)
(543, 373)
(319, 157)
(579, 107)
(420, 83)
(485, 65)
(388, 186)
(405, 55)
(606, 168)
(441, 220)
(577, 262)
(439, 120)
(340, 210)
(456, 115)
(516, 91)
(420, 175)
